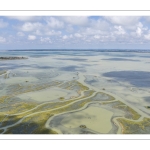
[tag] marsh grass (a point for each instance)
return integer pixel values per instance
(3, 72)
(38, 115)
(131, 127)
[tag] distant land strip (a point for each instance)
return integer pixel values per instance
(95, 50)
(12, 58)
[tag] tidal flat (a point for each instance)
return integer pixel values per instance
(67, 92)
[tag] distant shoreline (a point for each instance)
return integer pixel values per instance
(12, 58)
(93, 50)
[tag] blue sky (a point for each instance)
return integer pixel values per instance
(74, 32)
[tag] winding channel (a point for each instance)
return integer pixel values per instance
(47, 125)
(81, 80)
(8, 126)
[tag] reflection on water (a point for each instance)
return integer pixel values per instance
(136, 78)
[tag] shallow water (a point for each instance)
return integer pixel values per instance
(94, 118)
(124, 74)
(44, 95)
(136, 78)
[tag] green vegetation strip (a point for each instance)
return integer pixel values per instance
(73, 85)
(130, 113)
(40, 118)
(1, 131)
(132, 127)
(148, 107)
(3, 72)
(14, 118)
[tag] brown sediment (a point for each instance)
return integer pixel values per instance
(82, 126)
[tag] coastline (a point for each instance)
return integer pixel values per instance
(13, 58)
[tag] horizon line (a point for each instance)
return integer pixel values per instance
(69, 49)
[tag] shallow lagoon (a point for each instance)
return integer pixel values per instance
(50, 77)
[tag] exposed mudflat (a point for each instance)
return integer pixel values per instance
(44, 95)
(75, 93)
(94, 118)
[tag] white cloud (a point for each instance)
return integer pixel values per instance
(139, 34)
(71, 36)
(3, 24)
(77, 35)
(54, 23)
(28, 26)
(20, 33)
(99, 24)
(69, 28)
(96, 36)
(31, 37)
(120, 30)
(123, 20)
(76, 20)
(140, 25)
(52, 32)
(92, 31)
(45, 40)
(2, 39)
(24, 18)
(65, 37)
(38, 32)
(147, 36)
(139, 31)
(74, 29)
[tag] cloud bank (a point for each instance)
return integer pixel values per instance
(75, 31)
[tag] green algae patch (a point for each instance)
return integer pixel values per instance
(132, 127)
(42, 116)
(1, 130)
(20, 107)
(2, 98)
(74, 85)
(102, 97)
(32, 125)
(3, 72)
(2, 117)
(134, 114)
(130, 113)
(61, 98)
(147, 107)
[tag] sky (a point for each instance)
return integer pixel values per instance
(74, 32)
